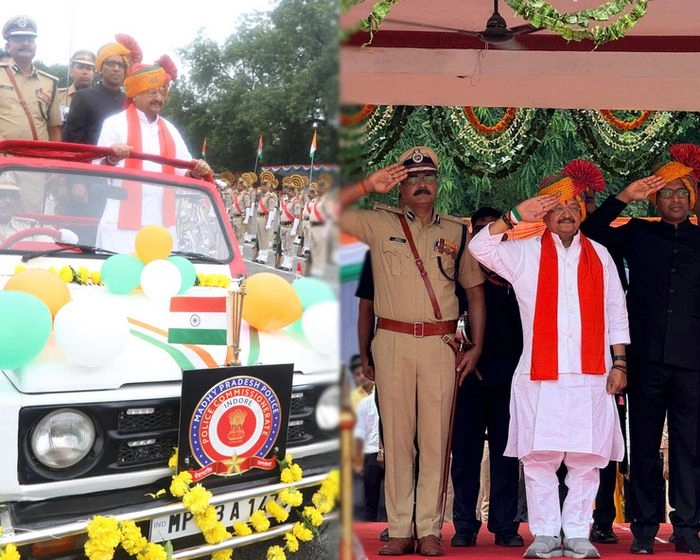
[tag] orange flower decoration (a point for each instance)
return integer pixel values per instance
(619, 124)
(362, 114)
(497, 128)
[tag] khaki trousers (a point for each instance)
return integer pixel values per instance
(415, 383)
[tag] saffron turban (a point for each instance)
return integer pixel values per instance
(144, 77)
(574, 180)
(685, 166)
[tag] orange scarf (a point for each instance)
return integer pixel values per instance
(591, 295)
(130, 209)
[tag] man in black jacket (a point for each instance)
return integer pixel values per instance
(663, 302)
(483, 413)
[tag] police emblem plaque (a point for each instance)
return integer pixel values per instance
(233, 421)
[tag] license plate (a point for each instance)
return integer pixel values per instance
(178, 525)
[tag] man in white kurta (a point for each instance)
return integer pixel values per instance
(572, 417)
(141, 128)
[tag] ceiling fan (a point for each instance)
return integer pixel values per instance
(496, 31)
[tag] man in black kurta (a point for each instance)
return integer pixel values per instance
(663, 303)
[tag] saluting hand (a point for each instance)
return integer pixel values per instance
(533, 209)
(383, 180)
(641, 188)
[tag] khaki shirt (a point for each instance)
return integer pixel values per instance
(39, 91)
(65, 98)
(16, 224)
(399, 291)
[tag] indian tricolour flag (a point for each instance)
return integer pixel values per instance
(198, 320)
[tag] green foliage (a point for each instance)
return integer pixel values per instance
(275, 76)
(490, 170)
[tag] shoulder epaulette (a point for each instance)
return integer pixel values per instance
(62, 90)
(5, 63)
(41, 72)
(387, 208)
(455, 219)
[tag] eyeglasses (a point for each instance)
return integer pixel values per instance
(573, 208)
(114, 64)
(427, 178)
(670, 193)
(155, 93)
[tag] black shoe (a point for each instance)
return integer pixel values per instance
(509, 539)
(687, 543)
(384, 535)
(642, 545)
(603, 534)
(464, 539)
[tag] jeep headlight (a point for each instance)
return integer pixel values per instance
(63, 438)
(328, 409)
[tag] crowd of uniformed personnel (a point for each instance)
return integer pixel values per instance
(281, 220)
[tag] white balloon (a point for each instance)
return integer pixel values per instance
(89, 333)
(161, 279)
(320, 324)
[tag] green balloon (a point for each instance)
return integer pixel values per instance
(24, 329)
(121, 273)
(312, 290)
(296, 330)
(187, 271)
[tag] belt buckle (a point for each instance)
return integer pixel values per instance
(418, 329)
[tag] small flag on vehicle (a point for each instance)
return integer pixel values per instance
(198, 320)
(204, 148)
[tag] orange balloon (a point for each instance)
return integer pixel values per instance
(153, 243)
(270, 302)
(45, 285)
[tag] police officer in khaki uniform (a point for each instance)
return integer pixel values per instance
(82, 73)
(28, 103)
(307, 202)
(266, 209)
(414, 365)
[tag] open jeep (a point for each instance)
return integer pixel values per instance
(85, 440)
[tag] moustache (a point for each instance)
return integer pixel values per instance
(566, 221)
(421, 190)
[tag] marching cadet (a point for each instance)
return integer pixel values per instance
(28, 103)
(307, 202)
(319, 220)
(266, 210)
(290, 212)
(82, 73)
(246, 190)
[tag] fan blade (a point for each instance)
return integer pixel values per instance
(524, 29)
(430, 27)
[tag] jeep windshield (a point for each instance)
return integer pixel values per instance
(63, 203)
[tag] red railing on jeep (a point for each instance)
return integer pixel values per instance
(87, 153)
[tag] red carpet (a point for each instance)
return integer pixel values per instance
(368, 533)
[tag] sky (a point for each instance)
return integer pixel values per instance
(159, 27)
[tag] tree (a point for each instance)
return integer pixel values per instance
(275, 76)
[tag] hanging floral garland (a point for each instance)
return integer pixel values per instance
(357, 117)
(573, 26)
(620, 124)
(497, 128)
(626, 152)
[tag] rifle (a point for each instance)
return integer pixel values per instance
(277, 243)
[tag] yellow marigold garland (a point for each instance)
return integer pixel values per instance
(9, 553)
(105, 534)
(68, 274)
